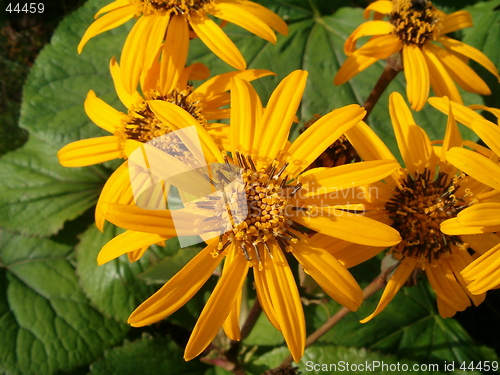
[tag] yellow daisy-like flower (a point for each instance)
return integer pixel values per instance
(416, 30)
(168, 25)
(483, 165)
(140, 124)
(419, 201)
(281, 202)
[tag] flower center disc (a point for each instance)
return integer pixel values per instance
(416, 21)
(141, 123)
(417, 209)
(258, 214)
(169, 6)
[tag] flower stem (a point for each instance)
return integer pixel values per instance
(386, 77)
(377, 284)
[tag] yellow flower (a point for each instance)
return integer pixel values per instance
(280, 202)
(414, 29)
(418, 201)
(140, 124)
(483, 165)
(168, 25)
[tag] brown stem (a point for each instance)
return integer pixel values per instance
(252, 317)
(377, 284)
(387, 76)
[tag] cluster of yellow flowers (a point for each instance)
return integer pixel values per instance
(256, 199)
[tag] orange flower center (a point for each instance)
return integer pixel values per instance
(258, 213)
(416, 21)
(147, 7)
(141, 123)
(417, 209)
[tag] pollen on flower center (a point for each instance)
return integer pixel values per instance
(264, 203)
(141, 123)
(417, 21)
(417, 209)
(169, 6)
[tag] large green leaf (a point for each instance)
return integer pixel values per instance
(114, 287)
(37, 195)
(46, 322)
(146, 356)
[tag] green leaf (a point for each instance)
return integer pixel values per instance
(46, 322)
(114, 287)
(410, 327)
(37, 195)
(147, 355)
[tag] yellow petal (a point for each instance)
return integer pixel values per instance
(470, 52)
(174, 54)
(222, 82)
(461, 73)
(462, 114)
(231, 325)
(102, 114)
(107, 22)
(126, 242)
(397, 280)
(440, 80)
(125, 97)
(151, 221)
(347, 253)
(350, 227)
(480, 215)
(488, 132)
(381, 46)
(479, 167)
(417, 76)
(178, 290)
(368, 145)
(353, 65)
(141, 47)
(218, 306)
(457, 263)
(452, 137)
(330, 275)
(446, 286)
(246, 110)
(365, 29)
(90, 151)
(413, 142)
(484, 271)
(445, 310)
(215, 39)
(286, 301)
(235, 13)
(381, 6)
(112, 6)
(117, 189)
(318, 137)
(456, 21)
(452, 227)
(137, 254)
(177, 118)
(347, 176)
(270, 18)
(279, 114)
(264, 296)
(494, 111)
